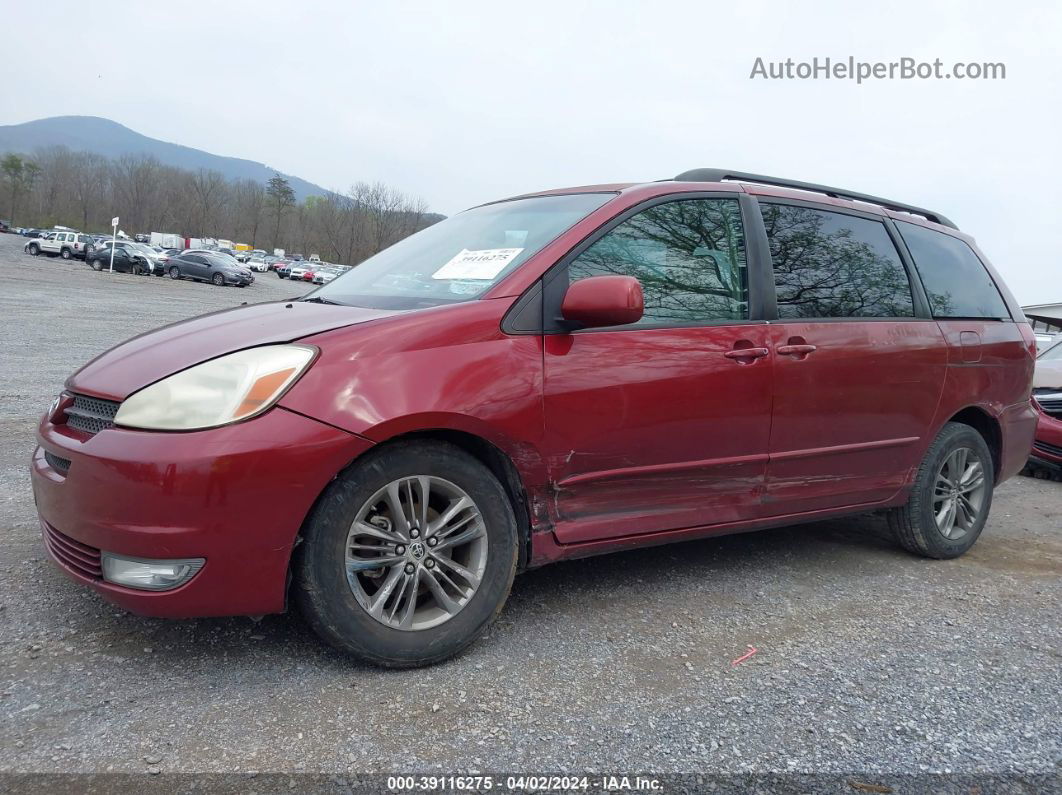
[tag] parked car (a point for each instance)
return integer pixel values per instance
(32, 232)
(65, 244)
(5, 227)
(327, 274)
(141, 238)
(241, 256)
(155, 258)
(146, 257)
(1046, 458)
(548, 377)
(258, 263)
(126, 260)
(283, 268)
(228, 258)
(208, 267)
(1045, 340)
(298, 270)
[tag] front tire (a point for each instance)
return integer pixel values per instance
(218, 280)
(951, 497)
(408, 556)
(65, 253)
(34, 249)
(175, 272)
(97, 265)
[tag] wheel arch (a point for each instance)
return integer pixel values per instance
(500, 465)
(989, 428)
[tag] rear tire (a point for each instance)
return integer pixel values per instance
(334, 595)
(951, 498)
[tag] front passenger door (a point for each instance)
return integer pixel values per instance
(662, 424)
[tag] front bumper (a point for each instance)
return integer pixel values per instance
(236, 496)
(1047, 448)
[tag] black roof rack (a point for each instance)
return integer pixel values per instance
(721, 174)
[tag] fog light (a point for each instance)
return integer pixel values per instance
(149, 575)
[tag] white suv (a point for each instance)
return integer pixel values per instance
(67, 245)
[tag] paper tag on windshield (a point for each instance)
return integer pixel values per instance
(485, 263)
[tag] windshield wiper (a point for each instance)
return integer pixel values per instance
(318, 300)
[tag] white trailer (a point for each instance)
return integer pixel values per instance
(167, 240)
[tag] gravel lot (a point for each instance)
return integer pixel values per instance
(868, 660)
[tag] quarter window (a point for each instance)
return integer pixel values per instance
(688, 255)
(955, 279)
(830, 264)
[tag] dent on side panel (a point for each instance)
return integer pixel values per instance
(849, 419)
(450, 370)
(988, 366)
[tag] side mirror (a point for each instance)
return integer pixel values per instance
(604, 301)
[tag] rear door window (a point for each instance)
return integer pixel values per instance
(829, 264)
(956, 281)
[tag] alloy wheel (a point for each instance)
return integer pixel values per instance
(958, 493)
(416, 552)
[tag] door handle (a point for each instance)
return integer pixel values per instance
(746, 353)
(795, 350)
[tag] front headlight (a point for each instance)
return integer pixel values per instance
(221, 391)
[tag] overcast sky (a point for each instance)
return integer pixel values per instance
(460, 103)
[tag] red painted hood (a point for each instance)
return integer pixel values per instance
(143, 360)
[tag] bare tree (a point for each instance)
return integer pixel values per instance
(88, 183)
(84, 190)
(210, 195)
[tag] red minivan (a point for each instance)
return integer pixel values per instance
(546, 377)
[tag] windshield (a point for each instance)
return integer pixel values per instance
(1054, 352)
(461, 257)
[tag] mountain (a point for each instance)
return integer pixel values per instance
(108, 138)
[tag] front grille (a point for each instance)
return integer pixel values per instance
(1051, 403)
(90, 414)
(73, 554)
(58, 464)
(1050, 449)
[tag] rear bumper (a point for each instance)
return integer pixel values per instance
(236, 496)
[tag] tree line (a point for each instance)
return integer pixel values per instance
(56, 185)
